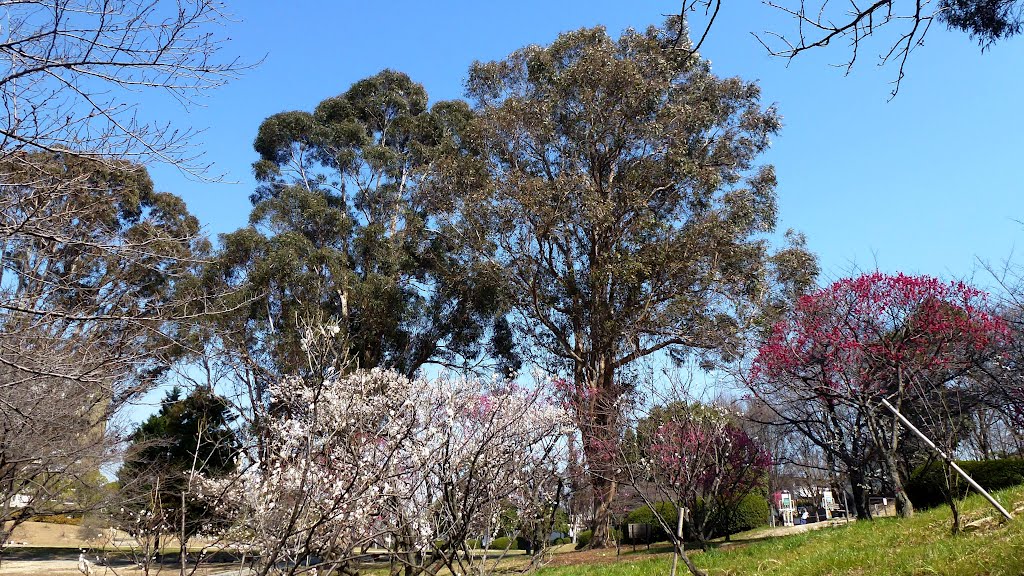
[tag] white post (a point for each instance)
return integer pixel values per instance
(679, 534)
(846, 504)
(947, 459)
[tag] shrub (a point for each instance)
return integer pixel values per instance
(641, 515)
(645, 515)
(751, 512)
(59, 519)
(503, 543)
(927, 486)
(583, 538)
(473, 544)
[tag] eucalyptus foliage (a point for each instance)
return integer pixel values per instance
(629, 211)
(342, 231)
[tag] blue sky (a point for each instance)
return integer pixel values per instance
(926, 183)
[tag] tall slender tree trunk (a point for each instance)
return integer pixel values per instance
(598, 424)
(904, 508)
(182, 540)
(954, 508)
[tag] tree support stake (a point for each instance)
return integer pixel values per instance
(945, 457)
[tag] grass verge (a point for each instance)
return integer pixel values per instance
(918, 546)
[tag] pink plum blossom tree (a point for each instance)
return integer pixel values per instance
(696, 458)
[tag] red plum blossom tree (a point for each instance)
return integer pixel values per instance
(845, 348)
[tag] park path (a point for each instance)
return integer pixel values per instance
(787, 530)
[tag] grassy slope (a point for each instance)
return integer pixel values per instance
(919, 546)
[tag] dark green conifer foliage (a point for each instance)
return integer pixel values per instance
(189, 436)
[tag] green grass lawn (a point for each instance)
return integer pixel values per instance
(921, 545)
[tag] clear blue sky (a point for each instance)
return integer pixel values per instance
(927, 183)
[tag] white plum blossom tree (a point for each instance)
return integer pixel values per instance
(411, 468)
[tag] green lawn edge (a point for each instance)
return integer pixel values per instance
(921, 545)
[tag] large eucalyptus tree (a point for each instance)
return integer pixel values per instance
(629, 212)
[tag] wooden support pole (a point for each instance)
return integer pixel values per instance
(947, 459)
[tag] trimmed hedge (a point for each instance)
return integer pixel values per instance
(58, 519)
(927, 485)
(583, 538)
(645, 515)
(503, 543)
(751, 512)
(520, 543)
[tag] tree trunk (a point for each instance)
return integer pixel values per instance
(598, 419)
(678, 548)
(885, 433)
(691, 566)
(952, 479)
(904, 508)
(604, 495)
(860, 495)
(183, 558)
(182, 540)
(955, 509)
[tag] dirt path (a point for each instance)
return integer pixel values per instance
(70, 568)
(56, 567)
(787, 530)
